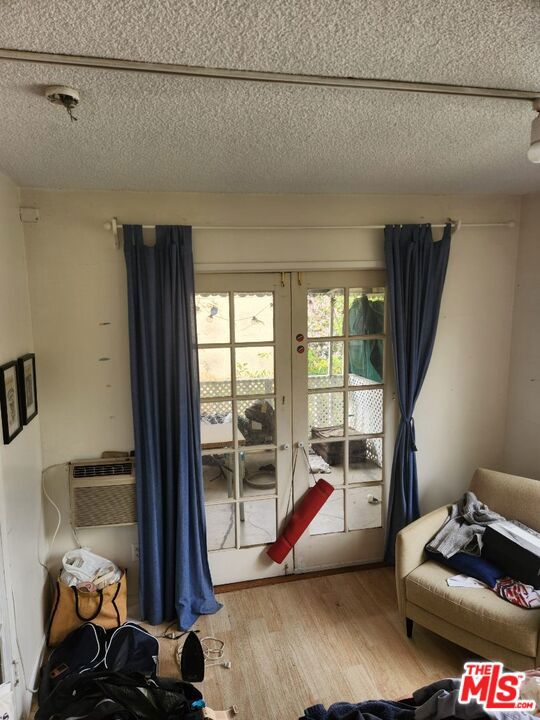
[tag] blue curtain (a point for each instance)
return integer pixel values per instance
(174, 573)
(416, 269)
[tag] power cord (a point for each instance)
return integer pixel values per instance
(57, 509)
(33, 691)
(52, 503)
(43, 565)
(213, 651)
(169, 634)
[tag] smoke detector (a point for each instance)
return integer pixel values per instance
(68, 97)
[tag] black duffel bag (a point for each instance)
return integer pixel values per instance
(80, 652)
(127, 649)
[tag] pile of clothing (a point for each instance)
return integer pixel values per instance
(437, 701)
(503, 555)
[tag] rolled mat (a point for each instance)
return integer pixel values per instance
(304, 513)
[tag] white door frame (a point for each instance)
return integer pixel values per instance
(223, 564)
(287, 267)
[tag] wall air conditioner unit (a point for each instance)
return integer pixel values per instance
(102, 492)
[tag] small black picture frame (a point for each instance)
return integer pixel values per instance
(10, 404)
(28, 387)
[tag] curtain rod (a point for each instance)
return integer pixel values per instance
(90, 61)
(114, 226)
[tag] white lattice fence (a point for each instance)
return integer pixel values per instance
(325, 409)
(209, 390)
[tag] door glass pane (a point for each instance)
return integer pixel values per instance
(258, 473)
(364, 508)
(325, 364)
(213, 323)
(366, 411)
(253, 317)
(325, 412)
(257, 522)
(220, 526)
(254, 370)
(331, 517)
(357, 453)
(216, 425)
(215, 372)
(218, 476)
(256, 422)
(325, 312)
(365, 460)
(326, 461)
(366, 311)
(366, 362)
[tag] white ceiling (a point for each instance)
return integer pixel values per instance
(152, 132)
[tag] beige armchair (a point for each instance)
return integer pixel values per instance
(476, 619)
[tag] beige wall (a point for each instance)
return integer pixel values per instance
(522, 446)
(78, 282)
(20, 461)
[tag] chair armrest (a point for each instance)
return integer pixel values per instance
(410, 548)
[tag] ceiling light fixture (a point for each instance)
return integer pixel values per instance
(534, 148)
(68, 97)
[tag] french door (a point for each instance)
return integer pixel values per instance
(243, 328)
(338, 371)
(292, 378)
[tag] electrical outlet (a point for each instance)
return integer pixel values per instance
(135, 552)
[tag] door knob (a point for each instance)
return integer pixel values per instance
(285, 446)
(372, 500)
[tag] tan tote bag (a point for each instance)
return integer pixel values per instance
(72, 608)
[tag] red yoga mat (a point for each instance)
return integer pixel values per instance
(306, 510)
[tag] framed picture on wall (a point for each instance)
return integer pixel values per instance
(28, 387)
(10, 406)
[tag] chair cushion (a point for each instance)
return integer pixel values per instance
(477, 610)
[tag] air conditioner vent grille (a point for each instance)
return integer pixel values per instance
(102, 469)
(104, 505)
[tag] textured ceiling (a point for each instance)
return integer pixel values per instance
(153, 132)
(489, 42)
